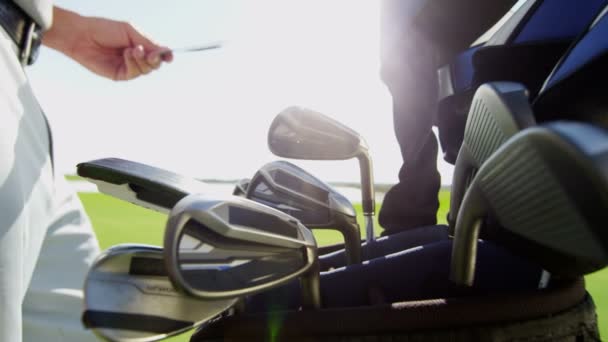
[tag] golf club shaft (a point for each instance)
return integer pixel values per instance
(463, 170)
(464, 247)
(196, 48)
(367, 194)
(369, 228)
(352, 240)
(367, 184)
(311, 288)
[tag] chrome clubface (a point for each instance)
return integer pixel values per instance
(548, 186)
(129, 297)
(301, 133)
(227, 248)
(288, 188)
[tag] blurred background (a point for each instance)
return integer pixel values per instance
(207, 113)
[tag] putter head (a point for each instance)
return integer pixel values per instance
(499, 110)
(288, 188)
(129, 297)
(547, 187)
(144, 185)
(301, 133)
(226, 248)
(240, 188)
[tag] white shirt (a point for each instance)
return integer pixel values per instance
(40, 10)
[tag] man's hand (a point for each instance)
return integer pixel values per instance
(109, 48)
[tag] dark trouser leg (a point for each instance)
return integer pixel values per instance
(410, 73)
(413, 202)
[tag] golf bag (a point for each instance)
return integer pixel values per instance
(524, 49)
(563, 311)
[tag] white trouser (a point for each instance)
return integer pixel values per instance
(46, 240)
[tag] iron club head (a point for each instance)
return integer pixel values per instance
(289, 188)
(548, 186)
(229, 247)
(129, 297)
(301, 133)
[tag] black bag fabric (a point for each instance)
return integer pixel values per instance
(561, 313)
(576, 89)
(524, 49)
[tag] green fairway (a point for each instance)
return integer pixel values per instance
(120, 222)
(116, 221)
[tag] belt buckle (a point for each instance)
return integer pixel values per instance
(31, 44)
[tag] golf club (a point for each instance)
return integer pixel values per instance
(196, 48)
(290, 189)
(498, 111)
(240, 189)
(140, 184)
(547, 186)
(129, 297)
(226, 248)
(301, 133)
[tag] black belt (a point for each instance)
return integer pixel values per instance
(22, 29)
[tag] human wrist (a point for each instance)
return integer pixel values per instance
(65, 30)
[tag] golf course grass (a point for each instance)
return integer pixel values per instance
(120, 222)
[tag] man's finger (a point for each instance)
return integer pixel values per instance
(166, 55)
(154, 59)
(140, 39)
(129, 69)
(139, 55)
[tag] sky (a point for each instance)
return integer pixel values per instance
(207, 114)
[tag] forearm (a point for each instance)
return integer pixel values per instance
(66, 28)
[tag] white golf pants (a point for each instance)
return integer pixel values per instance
(46, 239)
